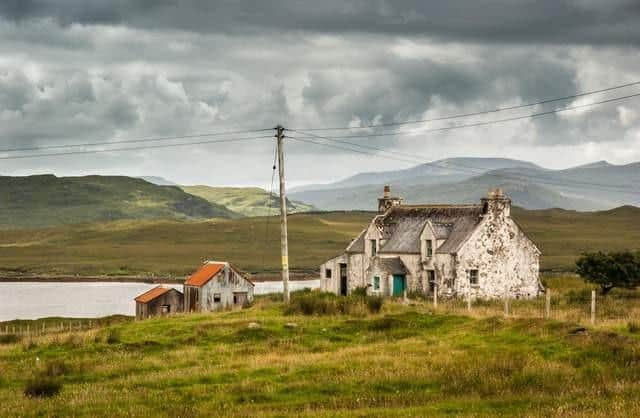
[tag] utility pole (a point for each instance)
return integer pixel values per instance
(284, 243)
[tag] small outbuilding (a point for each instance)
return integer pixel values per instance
(217, 285)
(159, 301)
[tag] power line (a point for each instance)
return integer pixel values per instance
(18, 157)
(472, 170)
(129, 141)
(483, 123)
(483, 112)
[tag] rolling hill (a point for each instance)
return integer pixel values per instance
(594, 186)
(161, 247)
(47, 200)
(248, 201)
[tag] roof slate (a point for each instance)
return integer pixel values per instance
(402, 226)
(392, 265)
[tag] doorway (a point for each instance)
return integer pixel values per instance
(399, 284)
(343, 280)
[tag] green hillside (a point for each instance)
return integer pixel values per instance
(248, 201)
(45, 200)
(175, 247)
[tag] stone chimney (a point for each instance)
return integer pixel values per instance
(496, 203)
(387, 201)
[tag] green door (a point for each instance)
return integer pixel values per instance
(398, 284)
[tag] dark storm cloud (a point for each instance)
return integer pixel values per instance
(549, 21)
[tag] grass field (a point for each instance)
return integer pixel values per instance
(403, 361)
(175, 248)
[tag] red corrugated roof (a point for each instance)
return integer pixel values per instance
(204, 274)
(150, 295)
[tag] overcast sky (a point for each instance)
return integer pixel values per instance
(77, 71)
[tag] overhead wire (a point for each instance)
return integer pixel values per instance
(483, 123)
(472, 170)
(483, 112)
(129, 141)
(142, 147)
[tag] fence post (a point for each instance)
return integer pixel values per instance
(469, 301)
(547, 304)
(435, 295)
(506, 304)
(593, 307)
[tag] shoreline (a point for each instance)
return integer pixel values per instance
(266, 277)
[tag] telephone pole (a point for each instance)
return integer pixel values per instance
(284, 243)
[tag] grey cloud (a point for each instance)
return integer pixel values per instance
(549, 21)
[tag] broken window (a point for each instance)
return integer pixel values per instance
(376, 282)
(374, 248)
(429, 248)
(473, 277)
(217, 297)
(327, 273)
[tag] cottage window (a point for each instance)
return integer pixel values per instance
(473, 277)
(374, 247)
(429, 248)
(327, 273)
(217, 297)
(376, 282)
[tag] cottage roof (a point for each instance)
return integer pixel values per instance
(392, 265)
(402, 226)
(205, 273)
(152, 294)
(357, 245)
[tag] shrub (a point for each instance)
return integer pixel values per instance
(359, 292)
(42, 387)
(621, 269)
(374, 303)
(315, 303)
(9, 339)
(633, 327)
(416, 294)
(113, 336)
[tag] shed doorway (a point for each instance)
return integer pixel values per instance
(399, 284)
(343, 279)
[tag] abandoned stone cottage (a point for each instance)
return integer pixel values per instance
(474, 250)
(216, 285)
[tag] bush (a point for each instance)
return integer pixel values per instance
(359, 292)
(374, 303)
(42, 387)
(113, 336)
(9, 339)
(315, 303)
(633, 327)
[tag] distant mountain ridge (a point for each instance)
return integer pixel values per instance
(46, 200)
(594, 186)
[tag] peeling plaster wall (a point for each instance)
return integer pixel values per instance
(506, 259)
(226, 283)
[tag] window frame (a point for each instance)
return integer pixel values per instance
(376, 283)
(328, 273)
(217, 298)
(473, 275)
(374, 247)
(428, 248)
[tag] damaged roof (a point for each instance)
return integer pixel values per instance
(402, 226)
(152, 294)
(205, 273)
(392, 265)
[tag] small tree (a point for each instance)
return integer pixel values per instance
(621, 269)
